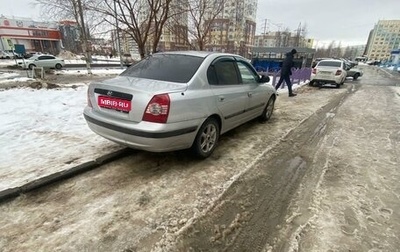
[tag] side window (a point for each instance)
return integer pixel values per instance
(223, 72)
(248, 76)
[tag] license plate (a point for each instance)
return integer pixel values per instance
(325, 73)
(114, 103)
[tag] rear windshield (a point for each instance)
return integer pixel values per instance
(330, 63)
(165, 67)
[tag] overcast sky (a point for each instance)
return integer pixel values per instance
(345, 21)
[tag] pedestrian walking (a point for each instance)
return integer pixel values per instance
(286, 72)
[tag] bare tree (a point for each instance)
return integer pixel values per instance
(75, 10)
(142, 20)
(202, 16)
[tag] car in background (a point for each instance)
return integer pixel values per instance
(353, 72)
(44, 60)
(329, 71)
(127, 59)
(6, 55)
(179, 100)
(315, 61)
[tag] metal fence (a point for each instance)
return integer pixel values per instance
(298, 76)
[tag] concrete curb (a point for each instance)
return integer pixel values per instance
(58, 176)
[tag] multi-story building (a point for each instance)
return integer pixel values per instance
(34, 36)
(175, 32)
(234, 28)
(282, 39)
(127, 44)
(384, 38)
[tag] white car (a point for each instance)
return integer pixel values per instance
(6, 55)
(329, 71)
(44, 60)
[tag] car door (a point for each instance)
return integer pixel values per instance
(229, 94)
(255, 91)
(44, 61)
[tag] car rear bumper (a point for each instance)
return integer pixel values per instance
(148, 140)
(334, 80)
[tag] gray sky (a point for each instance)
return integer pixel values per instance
(345, 21)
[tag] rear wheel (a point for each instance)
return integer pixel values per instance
(355, 77)
(206, 139)
(311, 83)
(268, 110)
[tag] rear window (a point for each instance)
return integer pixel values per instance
(330, 63)
(165, 67)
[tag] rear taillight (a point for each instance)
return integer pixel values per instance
(314, 71)
(338, 72)
(89, 103)
(158, 109)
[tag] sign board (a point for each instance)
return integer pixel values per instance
(19, 49)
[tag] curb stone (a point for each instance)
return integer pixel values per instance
(61, 175)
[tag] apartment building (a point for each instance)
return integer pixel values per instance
(234, 28)
(383, 39)
(282, 39)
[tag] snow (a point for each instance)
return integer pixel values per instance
(43, 131)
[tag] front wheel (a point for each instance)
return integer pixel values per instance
(355, 77)
(206, 139)
(58, 66)
(268, 110)
(31, 66)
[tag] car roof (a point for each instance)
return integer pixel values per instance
(202, 54)
(337, 60)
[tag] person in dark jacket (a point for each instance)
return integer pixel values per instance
(286, 71)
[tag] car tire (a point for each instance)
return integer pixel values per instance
(311, 83)
(206, 139)
(58, 66)
(338, 85)
(268, 110)
(356, 75)
(31, 66)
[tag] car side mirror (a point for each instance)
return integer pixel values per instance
(264, 78)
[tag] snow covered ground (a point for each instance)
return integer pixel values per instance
(43, 131)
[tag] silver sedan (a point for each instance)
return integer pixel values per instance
(179, 100)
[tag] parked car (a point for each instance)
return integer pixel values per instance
(354, 72)
(179, 100)
(6, 55)
(315, 61)
(127, 59)
(329, 71)
(43, 60)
